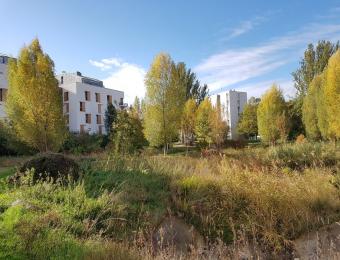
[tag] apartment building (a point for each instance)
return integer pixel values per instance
(232, 103)
(85, 101)
(3, 84)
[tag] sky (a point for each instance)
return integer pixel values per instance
(241, 45)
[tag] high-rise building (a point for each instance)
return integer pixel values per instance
(232, 104)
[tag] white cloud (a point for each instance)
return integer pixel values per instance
(124, 76)
(244, 27)
(236, 65)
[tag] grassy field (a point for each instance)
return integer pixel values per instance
(269, 196)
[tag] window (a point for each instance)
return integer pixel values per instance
(67, 119)
(121, 102)
(99, 108)
(82, 106)
(99, 119)
(87, 96)
(109, 99)
(88, 118)
(66, 96)
(62, 80)
(97, 97)
(3, 94)
(82, 129)
(66, 107)
(100, 129)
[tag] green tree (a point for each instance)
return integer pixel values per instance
(310, 107)
(331, 96)
(203, 126)
(193, 87)
(109, 118)
(128, 137)
(136, 108)
(188, 121)
(248, 120)
(164, 102)
(219, 127)
(271, 117)
(34, 103)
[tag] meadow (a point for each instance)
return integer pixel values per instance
(263, 197)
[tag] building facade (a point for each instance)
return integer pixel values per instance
(85, 101)
(3, 84)
(232, 104)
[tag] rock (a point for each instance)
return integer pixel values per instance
(176, 234)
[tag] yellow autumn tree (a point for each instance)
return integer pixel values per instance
(271, 116)
(164, 102)
(331, 94)
(188, 121)
(34, 103)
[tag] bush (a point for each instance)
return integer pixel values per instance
(302, 155)
(51, 166)
(84, 143)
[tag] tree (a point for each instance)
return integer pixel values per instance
(136, 108)
(193, 87)
(271, 117)
(247, 124)
(331, 96)
(109, 118)
(203, 126)
(188, 121)
(310, 107)
(128, 137)
(219, 127)
(164, 102)
(34, 103)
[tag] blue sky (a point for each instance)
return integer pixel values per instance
(244, 45)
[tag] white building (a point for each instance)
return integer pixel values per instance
(3, 84)
(85, 101)
(232, 103)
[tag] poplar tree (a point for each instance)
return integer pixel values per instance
(219, 127)
(164, 101)
(34, 103)
(248, 121)
(311, 104)
(271, 116)
(331, 92)
(188, 121)
(203, 125)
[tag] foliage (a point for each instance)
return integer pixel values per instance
(219, 127)
(247, 124)
(128, 137)
(194, 89)
(331, 92)
(309, 109)
(203, 126)
(188, 121)
(10, 143)
(312, 64)
(164, 101)
(55, 167)
(34, 102)
(84, 143)
(271, 117)
(110, 118)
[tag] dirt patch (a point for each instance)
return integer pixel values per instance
(321, 244)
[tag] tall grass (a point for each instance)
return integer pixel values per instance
(243, 195)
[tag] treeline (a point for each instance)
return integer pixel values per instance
(313, 112)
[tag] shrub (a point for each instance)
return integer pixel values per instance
(84, 143)
(53, 166)
(302, 155)
(300, 139)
